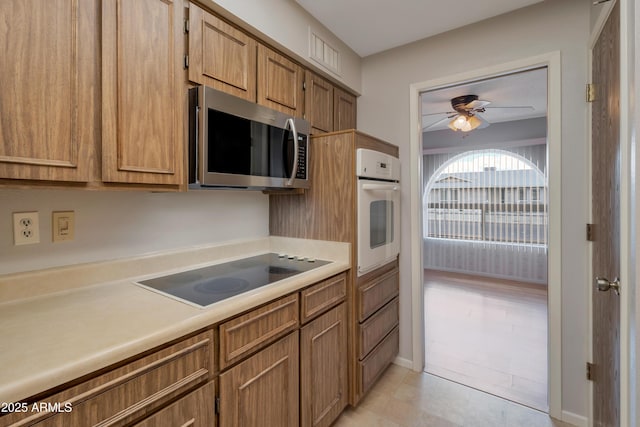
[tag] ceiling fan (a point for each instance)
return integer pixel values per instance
(465, 115)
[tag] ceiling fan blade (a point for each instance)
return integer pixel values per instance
(476, 104)
(484, 124)
(515, 107)
(441, 112)
(439, 122)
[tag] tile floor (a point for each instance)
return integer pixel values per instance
(488, 334)
(403, 398)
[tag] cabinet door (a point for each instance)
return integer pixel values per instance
(194, 410)
(142, 91)
(323, 368)
(262, 390)
(280, 82)
(221, 56)
(318, 103)
(48, 80)
(344, 110)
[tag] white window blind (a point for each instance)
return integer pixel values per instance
(487, 195)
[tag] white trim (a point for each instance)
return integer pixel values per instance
(575, 419)
(553, 63)
(401, 361)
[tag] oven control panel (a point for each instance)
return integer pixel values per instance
(376, 165)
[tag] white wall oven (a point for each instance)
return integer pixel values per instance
(378, 209)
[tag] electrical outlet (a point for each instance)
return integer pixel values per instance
(26, 228)
(63, 225)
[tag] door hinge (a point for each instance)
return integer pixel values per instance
(591, 92)
(217, 405)
(304, 85)
(590, 371)
(186, 61)
(186, 26)
(591, 232)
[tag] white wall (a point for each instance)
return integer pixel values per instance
(383, 110)
(287, 23)
(112, 225)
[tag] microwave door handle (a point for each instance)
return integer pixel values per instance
(294, 169)
(384, 187)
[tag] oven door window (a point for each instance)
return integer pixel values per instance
(380, 223)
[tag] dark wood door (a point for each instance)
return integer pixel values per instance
(606, 217)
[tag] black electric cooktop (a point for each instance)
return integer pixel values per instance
(208, 285)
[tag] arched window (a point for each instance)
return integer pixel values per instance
(488, 195)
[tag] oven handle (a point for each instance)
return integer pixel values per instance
(384, 187)
(294, 168)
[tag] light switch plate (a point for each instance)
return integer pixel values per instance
(63, 225)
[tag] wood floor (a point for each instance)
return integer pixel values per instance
(488, 334)
(403, 398)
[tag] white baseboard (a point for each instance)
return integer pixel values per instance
(575, 419)
(405, 363)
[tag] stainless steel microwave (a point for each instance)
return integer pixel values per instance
(235, 143)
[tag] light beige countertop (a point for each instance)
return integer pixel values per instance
(60, 324)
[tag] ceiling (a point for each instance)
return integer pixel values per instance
(522, 89)
(370, 27)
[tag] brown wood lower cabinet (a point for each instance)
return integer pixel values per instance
(262, 390)
(130, 392)
(378, 326)
(273, 373)
(324, 384)
(194, 410)
(377, 361)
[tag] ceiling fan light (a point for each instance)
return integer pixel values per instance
(473, 122)
(458, 123)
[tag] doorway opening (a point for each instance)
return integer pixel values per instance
(485, 222)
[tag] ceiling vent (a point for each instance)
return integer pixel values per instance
(323, 53)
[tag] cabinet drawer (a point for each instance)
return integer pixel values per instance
(322, 296)
(128, 393)
(194, 410)
(375, 364)
(248, 333)
(375, 293)
(377, 327)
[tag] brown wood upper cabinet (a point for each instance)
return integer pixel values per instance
(328, 108)
(318, 103)
(142, 91)
(221, 56)
(344, 110)
(280, 82)
(47, 107)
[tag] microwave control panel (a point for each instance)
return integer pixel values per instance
(301, 172)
